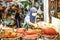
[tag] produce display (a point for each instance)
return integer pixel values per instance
(30, 33)
(31, 36)
(22, 31)
(8, 33)
(37, 32)
(49, 34)
(34, 33)
(49, 31)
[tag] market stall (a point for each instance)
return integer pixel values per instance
(13, 28)
(44, 31)
(54, 7)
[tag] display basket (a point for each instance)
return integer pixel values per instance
(44, 37)
(17, 38)
(29, 39)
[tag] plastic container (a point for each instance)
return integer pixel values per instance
(44, 37)
(29, 39)
(18, 38)
(11, 38)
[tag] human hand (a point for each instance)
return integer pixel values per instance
(35, 25)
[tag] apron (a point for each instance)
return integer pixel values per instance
(28, 26)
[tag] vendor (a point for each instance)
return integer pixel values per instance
(30, 18)
(8, 21)
(17, 18)
(1, 9)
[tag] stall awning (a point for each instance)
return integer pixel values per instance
(9, 0)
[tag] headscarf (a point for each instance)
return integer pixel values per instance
(32, 18)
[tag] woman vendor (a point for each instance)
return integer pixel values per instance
(30, 18)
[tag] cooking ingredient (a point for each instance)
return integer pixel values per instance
(31, 36)
(37, 30)
(49, 31)
(20, 30)
(30, 31)
(9, 33)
